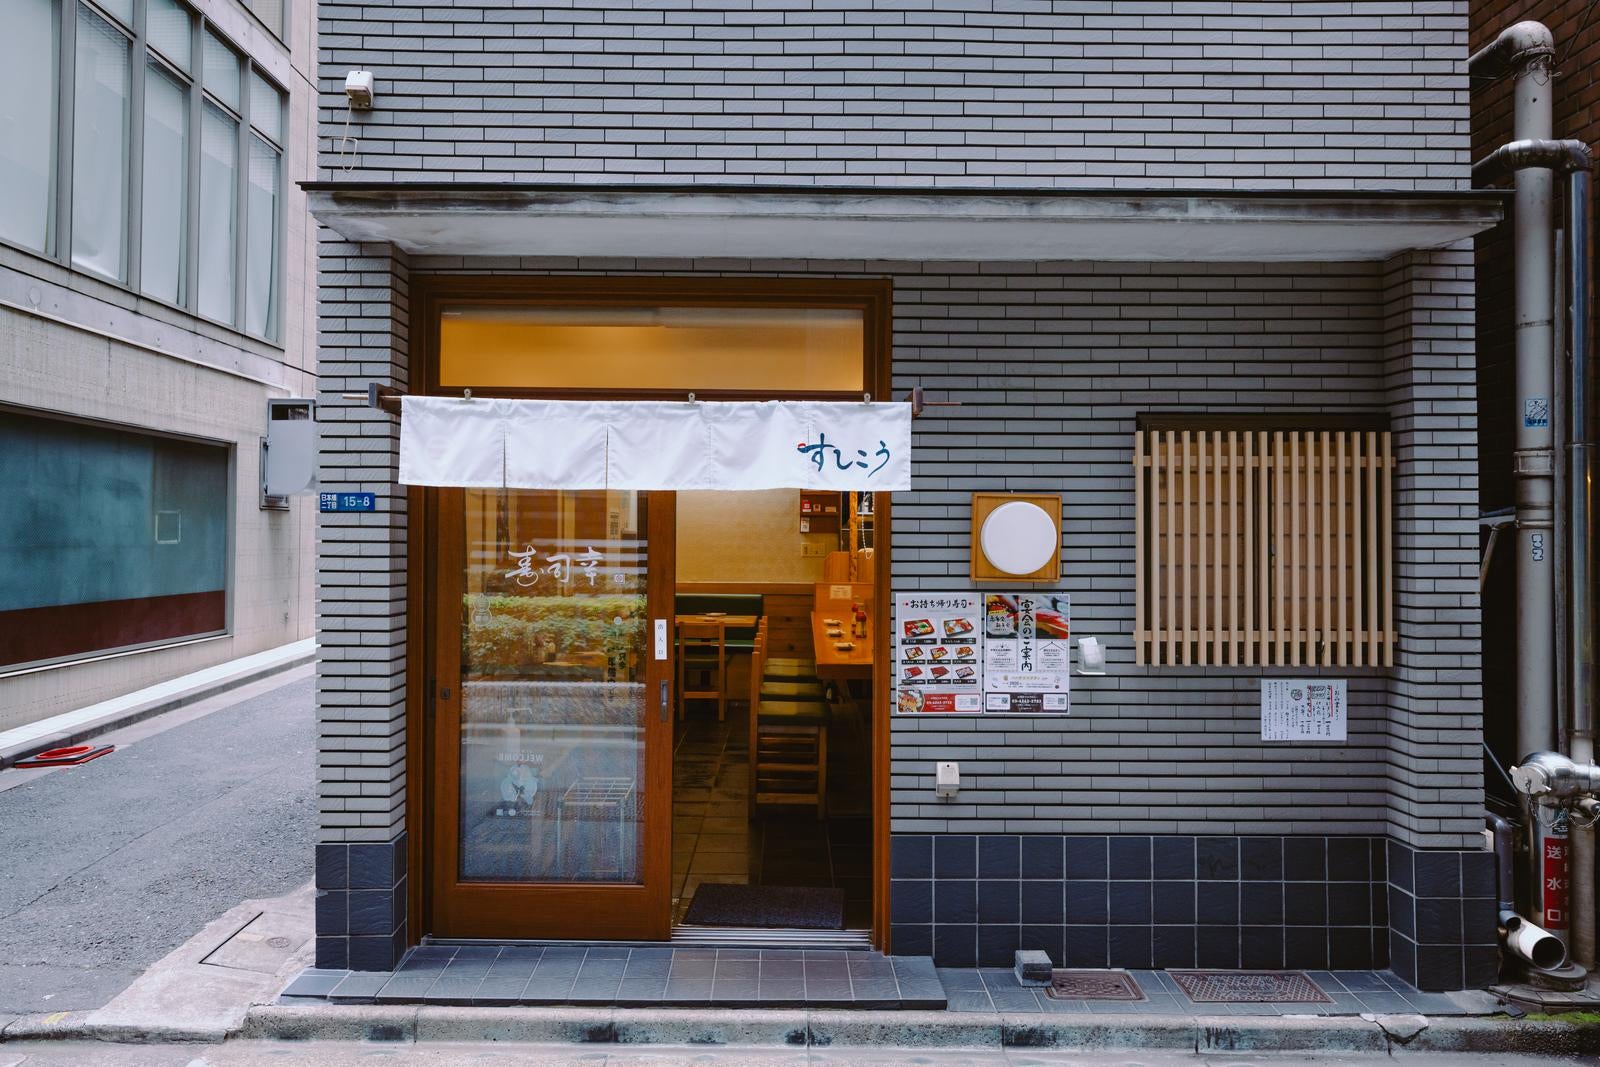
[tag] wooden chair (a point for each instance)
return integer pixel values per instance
(788, 736)
(703, 652)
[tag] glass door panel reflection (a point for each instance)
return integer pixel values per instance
(553, 687)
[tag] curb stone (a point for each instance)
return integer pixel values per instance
(160, 706)
(823, 1028)
(799, 1028)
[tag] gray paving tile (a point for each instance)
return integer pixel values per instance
(782, 969)
(827, 989)
(958, 978)
(608, 952)
(688, 990)
(521, 952)
(732, 969)
(642, 991)
(595, 990)
(735, 990)
(784, 991)
(360, 986)
(1051, 1006)
(603, 967)
(1385, 1002)
(693, 968)
(314, 984)
(967, 1000)
(1014, 1000)
(500, 991)
(547, 989)
(744, 955)
(647, 967)
(1356, 981)
(558, 967)
(405, 989)
(453, 990)
(875, 992)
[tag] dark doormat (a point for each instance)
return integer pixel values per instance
(1249, 987)
(798, 907)
(1094, 985)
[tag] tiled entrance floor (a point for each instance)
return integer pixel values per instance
(1351, 993)
(663, 977)
(635, 977)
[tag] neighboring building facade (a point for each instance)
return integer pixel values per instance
(1576, 102)
(155, 254)
(1094, 221)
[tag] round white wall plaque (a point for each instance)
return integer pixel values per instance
(1019, 537)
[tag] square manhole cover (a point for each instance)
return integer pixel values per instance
(1249, 987)
(262, 945)
(1094, 985)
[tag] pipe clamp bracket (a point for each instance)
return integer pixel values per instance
(1534, 463)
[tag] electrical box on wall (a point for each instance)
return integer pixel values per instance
(288, 452)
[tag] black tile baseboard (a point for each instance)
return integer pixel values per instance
(1206, 901)
(361, 904)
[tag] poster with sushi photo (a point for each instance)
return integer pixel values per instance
(938, 653)
(1027, 653)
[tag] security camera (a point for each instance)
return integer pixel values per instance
(358, 87)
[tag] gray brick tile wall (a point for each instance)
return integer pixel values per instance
(1216, 94)
(1051, 362)
(361, 558)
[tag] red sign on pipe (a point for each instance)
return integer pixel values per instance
(1555, 883)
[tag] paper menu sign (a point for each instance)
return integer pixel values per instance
(938, 653)
(1027, 659)
(1304, 709)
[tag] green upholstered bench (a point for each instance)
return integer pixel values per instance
(742, 638)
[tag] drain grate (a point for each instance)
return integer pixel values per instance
(1249, 987)
(1094, 985)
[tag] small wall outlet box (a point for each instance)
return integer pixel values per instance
(946, 778)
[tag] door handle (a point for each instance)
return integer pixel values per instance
(665, 717)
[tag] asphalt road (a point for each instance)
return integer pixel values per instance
(495, 1054)
(107, 867)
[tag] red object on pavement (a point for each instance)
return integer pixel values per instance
(69, 756)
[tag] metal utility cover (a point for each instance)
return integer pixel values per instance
(1249, 987)
(1094, 985)
(262, 945)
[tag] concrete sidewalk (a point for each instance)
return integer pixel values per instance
(73, 727)
(224, 986)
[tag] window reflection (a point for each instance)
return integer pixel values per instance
(553, 661)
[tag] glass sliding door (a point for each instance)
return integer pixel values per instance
(551, 744)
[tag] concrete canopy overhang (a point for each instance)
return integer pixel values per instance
(682, 222)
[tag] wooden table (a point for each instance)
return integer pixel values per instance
(831, 662)
(729, 622)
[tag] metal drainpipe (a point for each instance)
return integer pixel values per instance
(1527, 50)
(1581, 401)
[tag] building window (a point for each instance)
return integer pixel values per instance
(100, 146)
(262, 207)
(270, 12)
(170, 180)
(166, 182)
(1265, 548)
(28, 50)
(111, 539)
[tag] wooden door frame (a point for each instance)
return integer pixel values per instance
(605, 910)
(875, 298)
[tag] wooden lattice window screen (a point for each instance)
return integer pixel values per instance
(1264, 547)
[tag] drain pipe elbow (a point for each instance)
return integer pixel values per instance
(1563, 157)
(1521, 938)
(1517, 44)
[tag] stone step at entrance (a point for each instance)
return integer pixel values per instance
(653, 976)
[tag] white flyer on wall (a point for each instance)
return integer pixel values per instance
(938, 669)
(1303, 709)
(1027, 656)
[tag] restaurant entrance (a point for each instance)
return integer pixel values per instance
(586, 773)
